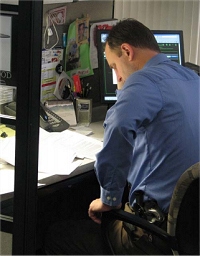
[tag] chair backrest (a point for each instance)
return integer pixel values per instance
(183, 217)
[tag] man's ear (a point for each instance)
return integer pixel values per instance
(127, 49)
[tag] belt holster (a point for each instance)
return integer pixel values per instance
(148, 210)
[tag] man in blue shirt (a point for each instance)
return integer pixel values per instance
(151, 132)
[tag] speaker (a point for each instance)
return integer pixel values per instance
(84, 111)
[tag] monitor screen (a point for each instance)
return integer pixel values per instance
(108, 81)
(8, 45)
(170, 43)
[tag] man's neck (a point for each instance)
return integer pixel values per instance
(143, 56)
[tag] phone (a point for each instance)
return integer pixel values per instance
(49, 121)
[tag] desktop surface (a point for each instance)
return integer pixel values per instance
(59, 196)
(47, 179)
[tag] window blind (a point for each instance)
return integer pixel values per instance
(169, 15)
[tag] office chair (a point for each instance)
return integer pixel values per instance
(182, 236)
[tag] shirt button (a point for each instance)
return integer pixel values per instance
(114, 198)
(108, 197)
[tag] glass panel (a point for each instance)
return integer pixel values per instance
(8, 83)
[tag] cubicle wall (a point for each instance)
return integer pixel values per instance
(96, 10)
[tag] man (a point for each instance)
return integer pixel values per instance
(151, 138)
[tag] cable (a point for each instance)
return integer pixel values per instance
(50, 33)
(47, 25)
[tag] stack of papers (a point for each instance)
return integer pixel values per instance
(57, 151)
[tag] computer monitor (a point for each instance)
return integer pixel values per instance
(108, 81)
(169, 41)
(8, 44)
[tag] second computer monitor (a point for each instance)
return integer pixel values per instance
(171, 43)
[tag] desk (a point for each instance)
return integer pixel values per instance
(54, 191)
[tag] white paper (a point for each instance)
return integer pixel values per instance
(55, 157)
(57, 151)
(84, 130)
(7, 150)
(6, 181)
(93, 48)
(83, 145)
(7, 176)
(48, 81)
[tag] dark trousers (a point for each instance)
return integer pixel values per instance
(84, 237)
(74, 237)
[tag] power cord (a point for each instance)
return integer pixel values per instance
(49, 32)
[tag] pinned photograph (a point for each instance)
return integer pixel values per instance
(82, 30)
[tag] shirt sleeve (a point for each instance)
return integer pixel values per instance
(136, 105)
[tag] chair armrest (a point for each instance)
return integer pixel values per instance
(139, 222)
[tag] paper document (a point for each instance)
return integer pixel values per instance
(82, 145)
(7, 178)
(93, 47)
(57, 151)
(84, 130)
(48, 81)
(6, 181)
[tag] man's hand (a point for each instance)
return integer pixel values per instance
(97, 207)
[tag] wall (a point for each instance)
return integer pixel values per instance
(167, 14)
(97, 10)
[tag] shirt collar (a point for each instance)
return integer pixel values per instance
(161, 57)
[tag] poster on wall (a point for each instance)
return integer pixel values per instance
(77, 61)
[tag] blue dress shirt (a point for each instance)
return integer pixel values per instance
(151, 134)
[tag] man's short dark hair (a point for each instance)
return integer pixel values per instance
(132, 32)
